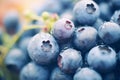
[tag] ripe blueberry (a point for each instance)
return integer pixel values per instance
(43, 48)
(85, 38)
(102, 58)
(86, 12)
(69, 60)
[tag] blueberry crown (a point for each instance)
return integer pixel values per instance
(90, 8)
(105, 47)
(46, 46)
(68, 25)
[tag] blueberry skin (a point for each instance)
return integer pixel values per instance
(109, 32)
(57, 74)
(85, 38)
(16, 60)
(11, 22)
(34, 71)
(116, 17)
(102, 58)
(86, 12)
(69, 60)
(105, 11)
(87, 74)
(98, 23)
(43, 48)
(63, 29)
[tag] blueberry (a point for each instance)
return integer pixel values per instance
(57, 74)
(11, 22)
(34, 71)
(109, 32)
(105, 11)
(63, 29)
(86, 12)
(16, 60)
(85, 38)
(43, 48)
(116, 17)
(102, 58)
(69, 60)
(98, 23)
(87, 74)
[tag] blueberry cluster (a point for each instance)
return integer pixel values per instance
(83, 45)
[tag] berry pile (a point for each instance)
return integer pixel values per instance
(83, 45)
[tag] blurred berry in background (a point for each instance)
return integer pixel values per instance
(11, 22)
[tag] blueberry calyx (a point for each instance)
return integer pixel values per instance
(90, 8)
(104, 47)
(68, 25)
(82, 29)
(46, 46)
(59, 61)
(118, 20)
